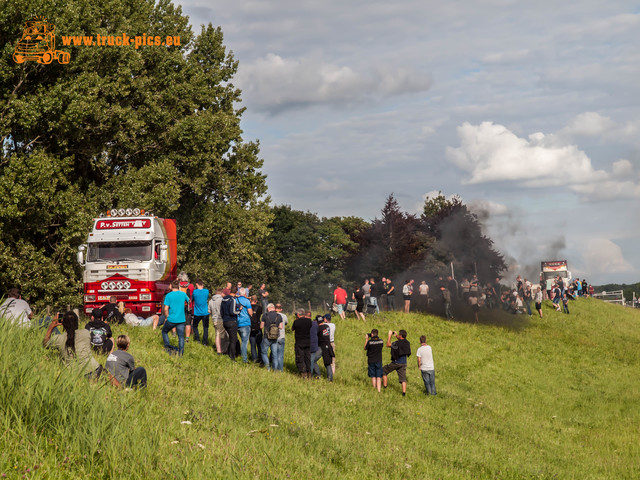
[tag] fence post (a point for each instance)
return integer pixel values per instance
(309, 305)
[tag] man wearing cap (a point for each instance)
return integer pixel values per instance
(324, 345)
(269, 341)
(174, 310)
(16, 309)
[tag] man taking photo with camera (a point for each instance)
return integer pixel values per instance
(400, 350)
(373, 346)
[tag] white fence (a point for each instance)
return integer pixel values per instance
(611, 297)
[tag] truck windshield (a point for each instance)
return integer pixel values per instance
(554, 274)
(119, 251)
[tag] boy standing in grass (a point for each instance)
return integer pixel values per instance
(400, 350)
(122, 367)
(425, 364)
(373, 345)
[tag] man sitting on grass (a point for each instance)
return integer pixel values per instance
(122, 367)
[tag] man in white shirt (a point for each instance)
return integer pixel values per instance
(16, 309)
(425, 364)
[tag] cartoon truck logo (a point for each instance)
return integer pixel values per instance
(38, 43)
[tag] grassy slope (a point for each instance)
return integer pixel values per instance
(544, 398)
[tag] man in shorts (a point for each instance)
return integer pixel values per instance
(400, 350)
(340, 299)
(373, 345)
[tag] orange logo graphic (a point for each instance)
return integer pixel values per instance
(38, 43)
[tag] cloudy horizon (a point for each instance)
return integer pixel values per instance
(528, 112)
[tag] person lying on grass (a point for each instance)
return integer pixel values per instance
(74, 344)
(122, 367)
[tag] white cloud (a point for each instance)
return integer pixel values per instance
(276, 83)
(592, 124)
(492, 153)
(602, 256)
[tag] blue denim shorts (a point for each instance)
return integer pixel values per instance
(375, 370)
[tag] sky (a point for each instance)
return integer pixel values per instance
(528, 111)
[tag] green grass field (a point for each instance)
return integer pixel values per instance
(556, 397)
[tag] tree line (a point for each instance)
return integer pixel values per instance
(159, 128)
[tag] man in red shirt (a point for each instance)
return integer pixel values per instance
(340, 299)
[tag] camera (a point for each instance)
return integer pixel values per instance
(59, 317)
(369, 335)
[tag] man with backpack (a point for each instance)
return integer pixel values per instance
(271, 324)
(229, 310)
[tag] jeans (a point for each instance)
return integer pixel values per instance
(147, 322)
(205, 328)
(374, 301)
(231, 327)
(166, 328)
(137, 378)
(273, 344)
(244, 332)
(447, 310)
(315, 368)
(256, 346)
(527, 303)
(280, 354)
(429, 379)
(391, 301)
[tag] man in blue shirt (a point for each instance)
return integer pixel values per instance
(201, 312)
(174, 307)
(244, 321)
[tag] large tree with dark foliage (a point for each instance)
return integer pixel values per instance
(459, 239)
(402, 245)
(307, 253)
(156, 127)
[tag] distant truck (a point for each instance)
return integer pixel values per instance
(553, 269)
(132, 255)
(38, 43)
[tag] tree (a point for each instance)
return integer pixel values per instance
(459, 239)
(309, 252)
(155, 127)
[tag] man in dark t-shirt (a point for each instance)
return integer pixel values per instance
(100, 331)
(301, 328)
(400, 350)
(373, 345)
(111, 312)
(391, 295)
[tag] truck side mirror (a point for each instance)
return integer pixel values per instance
(81, 250)
(163, 253)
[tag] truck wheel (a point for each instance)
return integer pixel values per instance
(18, 58)
(63, 57)
(46, 58)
